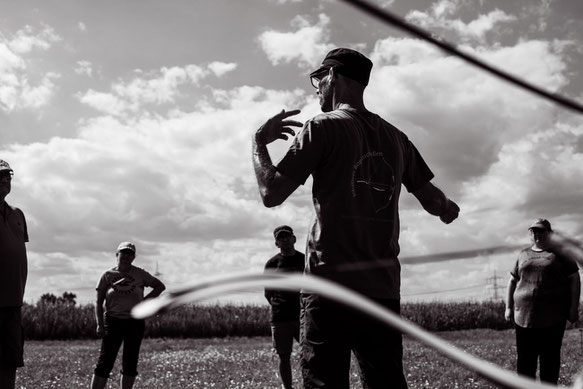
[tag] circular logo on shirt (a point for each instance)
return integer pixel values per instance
(123, 284)
(373, 180)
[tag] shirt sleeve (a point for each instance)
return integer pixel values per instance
(416, 173)
(148, 279)
(570, 266)
(102, 283)
(514, 271)
(305, 153)
(24, 225)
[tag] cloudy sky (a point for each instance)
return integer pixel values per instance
(132, 121)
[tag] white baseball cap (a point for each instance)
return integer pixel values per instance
(126, 246)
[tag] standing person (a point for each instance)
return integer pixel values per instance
(543, 293)
(13, 273)
(121, 288)
(285, 306)
(358, 162)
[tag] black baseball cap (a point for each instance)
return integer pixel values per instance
(282, 229)
(350, 63)
(543, 224)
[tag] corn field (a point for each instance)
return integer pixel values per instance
(61, 320)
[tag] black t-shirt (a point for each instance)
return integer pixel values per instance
(13, 258)
(358, 162)
(285, 305)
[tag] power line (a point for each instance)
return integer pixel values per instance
(445, 290)
(450, 48)
(493, 284)
(466, 254)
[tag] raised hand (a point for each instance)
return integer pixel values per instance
(277, 127)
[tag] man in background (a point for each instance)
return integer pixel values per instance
(285, 306)
(13, 273)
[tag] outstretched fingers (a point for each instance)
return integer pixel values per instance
(287, 130)
(285, 114)
(294, 123)
(278, 127)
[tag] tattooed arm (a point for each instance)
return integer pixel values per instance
(274, 187)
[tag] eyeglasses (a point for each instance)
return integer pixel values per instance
(316, 78)
(6, 176)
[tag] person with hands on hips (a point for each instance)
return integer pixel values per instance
(358, 162)
(543, 293)
(118, 291)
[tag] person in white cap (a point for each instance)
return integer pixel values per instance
(121, 288)
(13, 274)
(543, 293)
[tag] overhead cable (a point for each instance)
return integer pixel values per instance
(396, 21)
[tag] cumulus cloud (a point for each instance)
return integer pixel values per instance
(221, 68)
(180, 182)
(535, 176)
(16, 90)
(105, 102)
(541, 11)
(156, 87)
(387, 3)
(445, 104)
(285, 1)
(25, 40)
(84, 68)
(17, 93)
(307, 44)
(173, 183)
(440, 16)
(161, 89)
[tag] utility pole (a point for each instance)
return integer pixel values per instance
(493, 281)
(157, 272)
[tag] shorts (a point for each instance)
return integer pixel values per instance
(11, 338)
(283, 335)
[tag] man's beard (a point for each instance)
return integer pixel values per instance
(326, 99)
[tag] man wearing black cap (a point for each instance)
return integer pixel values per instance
(285, 306)
(13, 274)
(543, 293)
(358, 162)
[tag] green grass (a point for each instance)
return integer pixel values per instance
(249, 362)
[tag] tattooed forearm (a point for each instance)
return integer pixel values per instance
(263, 166)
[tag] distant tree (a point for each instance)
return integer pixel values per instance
(47, 298)
(67, 298)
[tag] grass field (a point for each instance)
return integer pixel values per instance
(249, 362)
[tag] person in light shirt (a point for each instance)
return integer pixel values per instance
(543, 293)
(120, 289)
